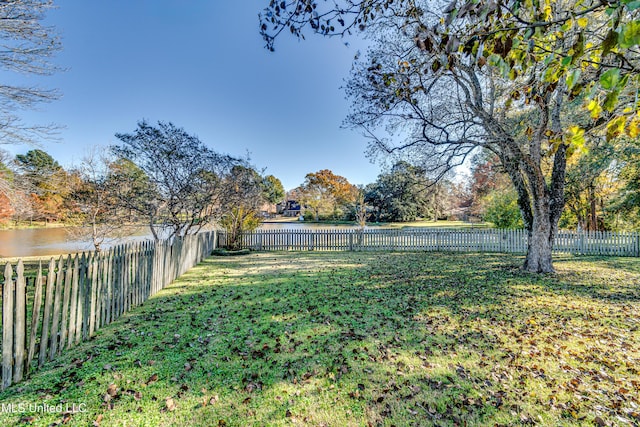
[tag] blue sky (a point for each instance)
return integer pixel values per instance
(201, 64)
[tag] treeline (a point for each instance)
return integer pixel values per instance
(165, 178)
(401, 194)
(158, 175)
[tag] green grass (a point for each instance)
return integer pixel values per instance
(410, 224)
(439, 224)
(354, 339)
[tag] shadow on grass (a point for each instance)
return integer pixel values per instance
(357, 339)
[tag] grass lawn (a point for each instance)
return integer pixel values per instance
(357, 339)
(437, 224)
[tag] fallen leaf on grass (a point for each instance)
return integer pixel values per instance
(251, 387)
(170, 405)
(209, 401)
(98, 420)
(112, 391)
(152, 378)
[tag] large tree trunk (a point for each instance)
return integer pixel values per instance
(547, 205)
(540, 243)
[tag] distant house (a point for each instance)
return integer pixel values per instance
(289, 208)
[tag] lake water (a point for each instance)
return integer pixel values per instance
(56, 241)
(51, 241)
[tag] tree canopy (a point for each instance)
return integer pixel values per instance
(324, 192)
(399, 195)
(186, 179)
(273, 189)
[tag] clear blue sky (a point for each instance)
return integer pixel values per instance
(201, 64)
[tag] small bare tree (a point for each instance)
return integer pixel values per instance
(94, 209)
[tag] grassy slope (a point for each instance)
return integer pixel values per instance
(347, 339)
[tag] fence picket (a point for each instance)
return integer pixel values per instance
(35, 317)
(108, 315)
(57, 307)
(46, 319)
(68, 277)
(74, 302)
(7, 326)
(93, 296)
(20, 327)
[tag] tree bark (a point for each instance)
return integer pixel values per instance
(593, 219)
(540, 244)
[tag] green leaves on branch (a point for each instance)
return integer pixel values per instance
(629, 35)
(610, 79)
(592, 48)
(575, 140)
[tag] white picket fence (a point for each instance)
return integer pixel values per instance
(436, 239)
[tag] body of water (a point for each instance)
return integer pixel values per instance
(41, 242)
(53, 241)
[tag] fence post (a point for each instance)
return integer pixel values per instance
(19, 337)
(7, 327)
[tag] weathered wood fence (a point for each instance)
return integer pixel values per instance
(437, 239)
(54, 310)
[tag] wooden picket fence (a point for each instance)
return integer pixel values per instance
(46, 314)
(437, 239)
